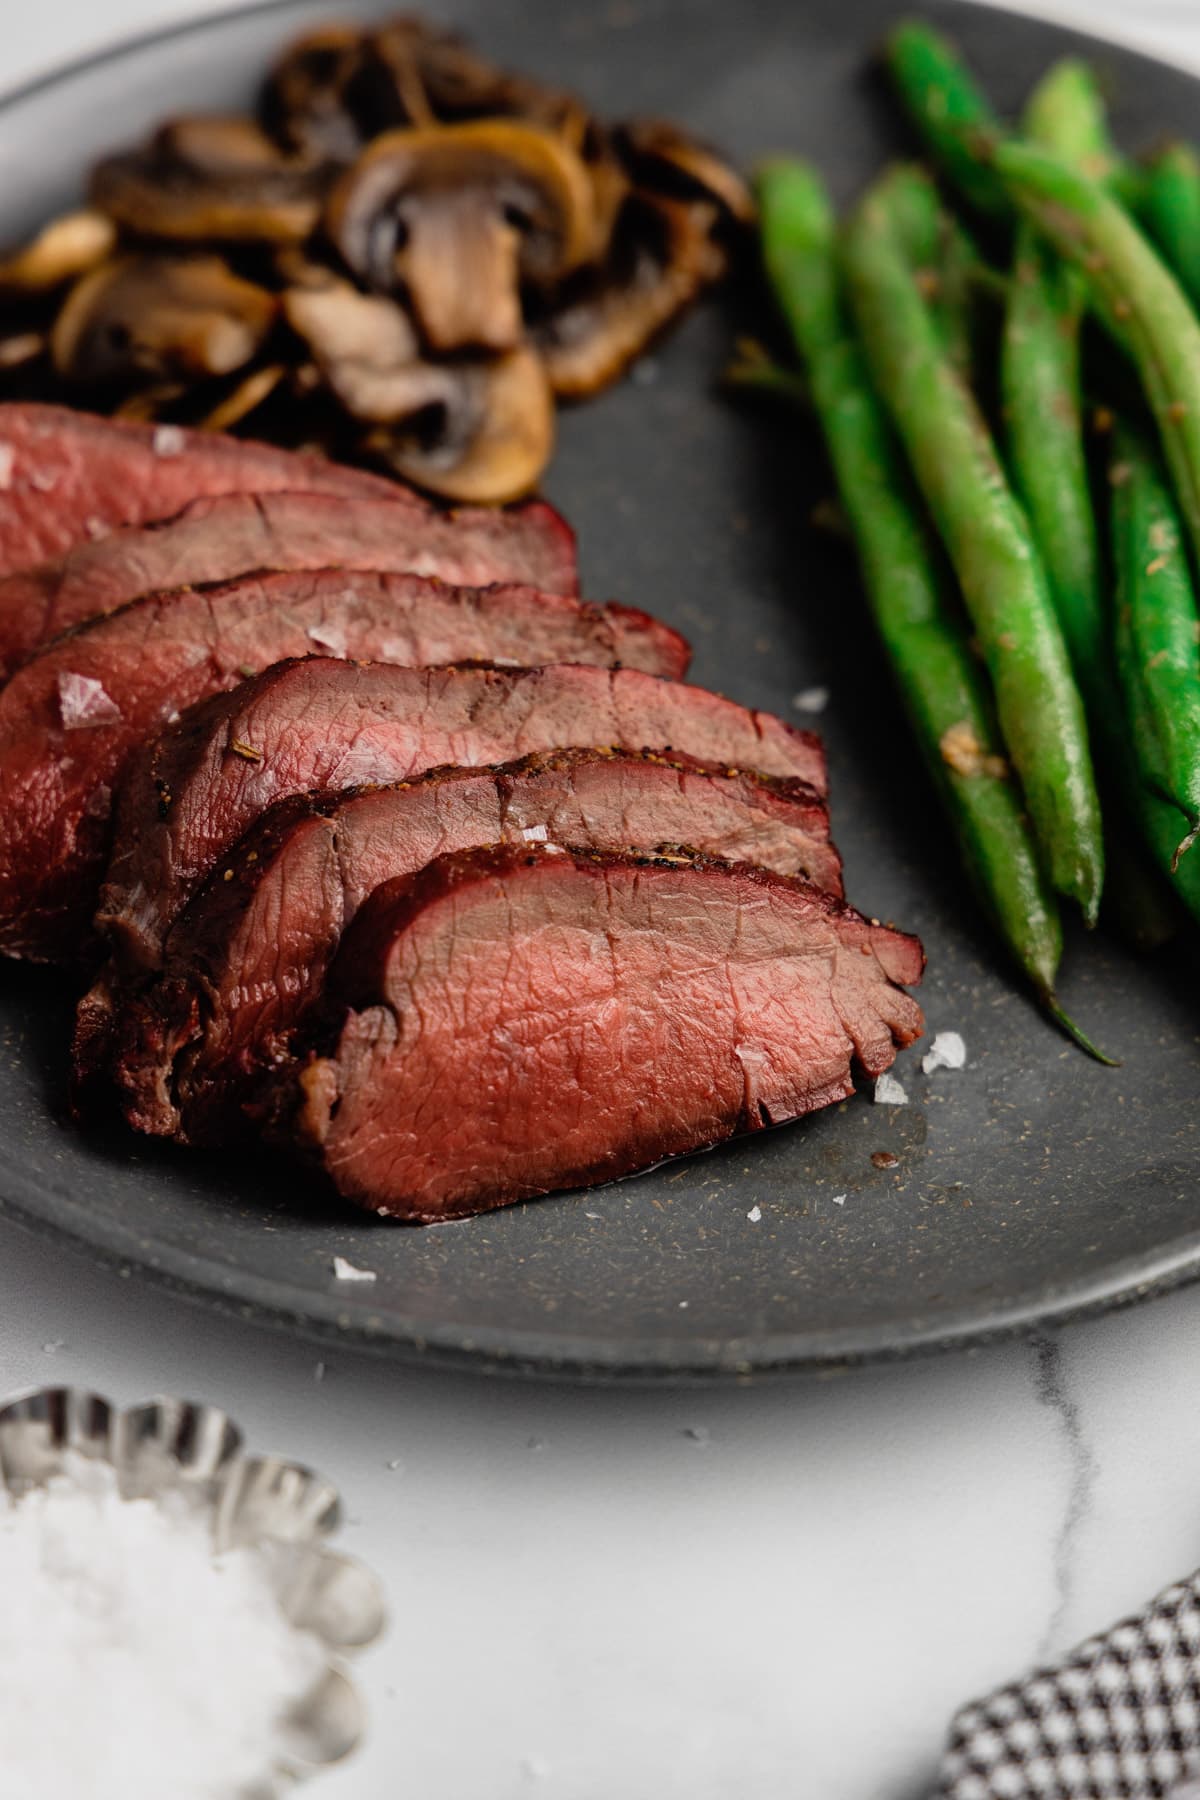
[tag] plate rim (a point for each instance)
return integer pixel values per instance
(347, 1320)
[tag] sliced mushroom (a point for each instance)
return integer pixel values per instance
(244, 398)
(63, 250)
(20, 348)
(663, 254)
(458, 218)
(305, 101)
(149, 403)
(458, 84)
(363, 344)
(478, 432)
(665, 160)
(336, 88)
(212, 177)
(154, 318)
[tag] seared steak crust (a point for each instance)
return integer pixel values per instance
(247, 959)
(68, 476)
(508, 1022)
(71, 720)
(222, 536)
(321, 724)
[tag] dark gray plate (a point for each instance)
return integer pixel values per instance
(1032, 1186)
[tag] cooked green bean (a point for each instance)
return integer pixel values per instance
(949, 110)
(1039, 383)
(1134, 285)
(1040, 386)
(948, 264)
(999, 570)
(1171, 210)
(1066, 115)
(942, 686)
(1156, 630)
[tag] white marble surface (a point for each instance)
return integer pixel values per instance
(662, 1597)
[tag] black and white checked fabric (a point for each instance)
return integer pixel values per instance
(1119, 1719)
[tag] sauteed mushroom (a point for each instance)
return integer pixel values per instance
(68, 247)
(665, 160)
(305, 101)
(363, 344)
(457, 218)
(663, 254)
(148, 318)
(405, 256)
(337, 88)
(211, 177)
(479, 432)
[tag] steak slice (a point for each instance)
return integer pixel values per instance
(514, 1021)
(226, 535)
(321, 724)
(247, 959)
(67, 476)
(71, 719)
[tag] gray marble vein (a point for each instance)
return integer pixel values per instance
(1053, 1391)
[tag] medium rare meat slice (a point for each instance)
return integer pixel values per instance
(247, 959)
(225, 535)
(71, 719)
(509, 1022)
(321, 724)
(66, 476)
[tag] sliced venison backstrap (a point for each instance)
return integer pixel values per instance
(67, 476)
(508, 1022)
(247, 959)
(71, 719)
(227, 535)
(321, 724)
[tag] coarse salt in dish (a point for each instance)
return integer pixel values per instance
(176, 1668)
(173, 1602)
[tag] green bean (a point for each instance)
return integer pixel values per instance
(999, 570)
(1066, 115)
(1135, 287)
(1040, 386)
(1171, 211)
(1158, 655)
(940, 681)
(950, 268)
(1163, 832)
(949, 110)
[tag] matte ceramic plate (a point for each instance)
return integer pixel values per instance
(1032, 1185)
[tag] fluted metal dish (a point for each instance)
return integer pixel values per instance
(265, 1502)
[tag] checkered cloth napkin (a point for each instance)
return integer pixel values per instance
(1119, 1719)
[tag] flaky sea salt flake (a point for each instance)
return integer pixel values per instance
(329, 635)
(811, 700)
(348, 1271)
(84, 703)
(755, 1214)
(839, 1199)
(946, 1052)
(888, 1092)
(168, 440)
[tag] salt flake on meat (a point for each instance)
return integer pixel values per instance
(168, 440)
(84, 703)
(330, 636)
